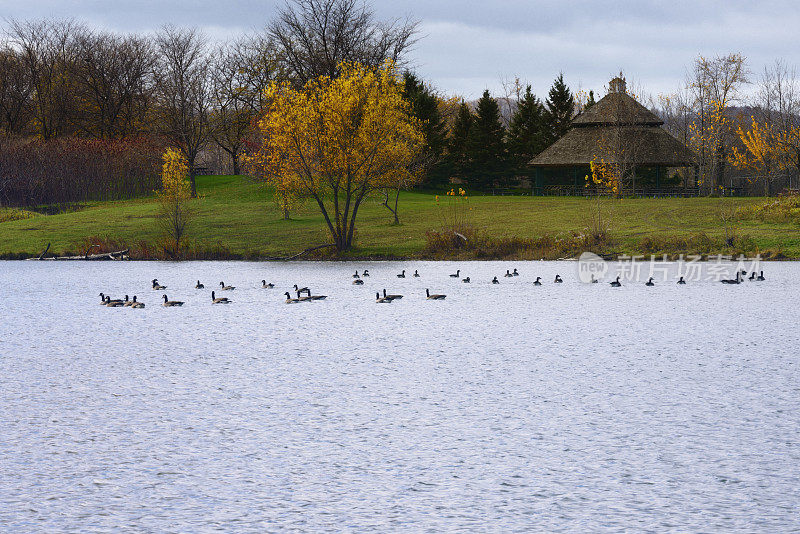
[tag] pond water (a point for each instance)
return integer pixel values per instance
(509, 407)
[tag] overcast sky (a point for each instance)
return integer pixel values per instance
(467, 46)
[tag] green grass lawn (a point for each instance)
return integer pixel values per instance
(238, 215)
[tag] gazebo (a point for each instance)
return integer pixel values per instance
(619, 120)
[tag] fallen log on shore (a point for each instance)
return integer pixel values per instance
(117, 255)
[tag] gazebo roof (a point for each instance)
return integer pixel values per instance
(579, 146)
(616, 115)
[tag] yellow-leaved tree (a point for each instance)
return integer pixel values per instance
(765, 152)
(337, 141)
(175, 197)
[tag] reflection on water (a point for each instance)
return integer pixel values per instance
(505, 407)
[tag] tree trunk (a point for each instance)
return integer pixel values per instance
(235, 158)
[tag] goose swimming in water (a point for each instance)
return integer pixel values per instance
(289, 299)
(219, 300)
(466, 280)
(558, 280)
(495, 280)
(761, 277)
(752, 276)
(265, 285)
(416, 274)
(457, 275)
(434, 297)
(226, 288)
(391, 297)
(382, 300)
(136, 304)
(168, 303)
(515, 273)
(157, 286)
(358, 282)
(105, 300)
(681, 281)
(402, 275)
(508, 274)
(114, 303)
(737, 280)
(365, 273)
(302, 289)
(306, 298)
(199, 285)
(356, 275)
(538, 281)
(616, 283)
(649, 282)
(127, 303)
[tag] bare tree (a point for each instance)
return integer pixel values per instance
(715, 84)
(114, 77)
(314, 36)
(241, 71)
(48, 49)
(15, 92)
(183, 92)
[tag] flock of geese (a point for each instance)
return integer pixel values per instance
(303, 294)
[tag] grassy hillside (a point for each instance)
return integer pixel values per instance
(239, 218)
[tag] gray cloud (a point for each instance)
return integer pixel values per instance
(470, 45)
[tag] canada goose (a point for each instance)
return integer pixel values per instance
(761, 277)
(289, 299)
(391, 297)
(127, 303)
(752, 276)
(220, 300)
(616, 283)
(434, 297)
(226, 288)
(306, 298)
(157, 286)
(457, 275)
(734, 281)
(135, 304)
(382, 300)
(114, 303)
(495, 280)
(416, 274)
(265, 285)
(538, 281)
(508, 274)
(317, 297)
(681, 281)
(169, 303)
(466, 280)
(593, 280)
(302, 289)
(356, 275)
(649, 282)
(515, 273)
(358, 282)
(365, 273)
(199, 285)
(105, 300)
(558, 280)
(402, 275)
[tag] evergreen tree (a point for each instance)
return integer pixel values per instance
(589, 101)
(560, 108)
(457, 154)
(425, 107)
(486, 146)
(527, 134)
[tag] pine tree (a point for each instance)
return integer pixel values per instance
(589, 101)
(425, 107)
(457, 154)
(486, 146)
(527, 134)
(560, 108)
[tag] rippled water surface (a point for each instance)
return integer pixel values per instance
(509, 407)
